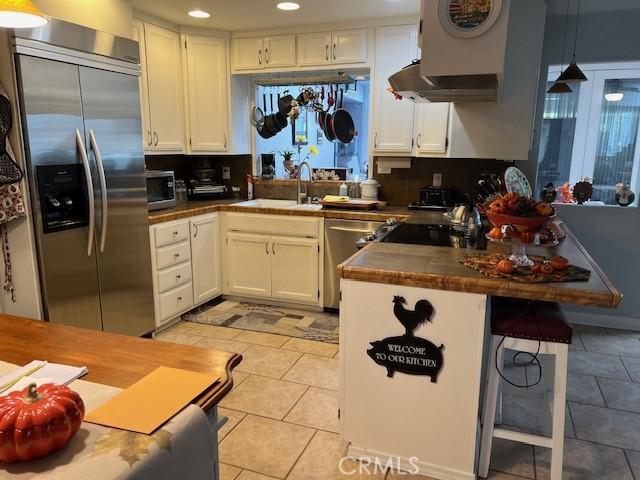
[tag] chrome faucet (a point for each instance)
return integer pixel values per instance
(306, 193)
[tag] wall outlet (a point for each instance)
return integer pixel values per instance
(437, 179)
(226, 173)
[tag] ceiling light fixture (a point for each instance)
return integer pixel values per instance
(288, 6)
(197, 13)
(560, 87)
(573, 73)
(20, 14)
(613, 96)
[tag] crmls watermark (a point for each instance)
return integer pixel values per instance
(369, 466)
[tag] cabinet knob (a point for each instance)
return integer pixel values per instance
(175, 232)
(155, 136)
(176, 255)
(375, 140)
(419, 140)
(178, 277)
(334, 51)
(260, 57)
(179, 299)
(326, 52)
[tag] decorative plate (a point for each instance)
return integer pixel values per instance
(468, 18)
(515, 181)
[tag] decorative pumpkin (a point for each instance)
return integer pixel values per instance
(38, 420)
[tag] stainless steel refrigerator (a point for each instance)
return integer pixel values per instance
(81, 124)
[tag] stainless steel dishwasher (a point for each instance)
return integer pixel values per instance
(340, 237)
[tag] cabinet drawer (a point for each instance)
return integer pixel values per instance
(174, 277)
(171, 233)
(173, 255)
(274, 224)
(176, 301)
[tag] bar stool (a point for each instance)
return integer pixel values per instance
(533, 327)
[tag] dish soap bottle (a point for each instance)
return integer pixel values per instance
(344, 190)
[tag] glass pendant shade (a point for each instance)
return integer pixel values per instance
(559, 87)
(572, 74)
(20, 14)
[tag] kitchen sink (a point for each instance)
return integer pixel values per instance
(269, 203)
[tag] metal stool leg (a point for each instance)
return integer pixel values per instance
(489, 408)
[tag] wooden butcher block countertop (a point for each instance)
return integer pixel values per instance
(440, 268)
(191, 209)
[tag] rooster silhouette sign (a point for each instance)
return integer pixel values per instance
(407, 353)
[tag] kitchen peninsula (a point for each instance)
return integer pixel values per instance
(429, 421)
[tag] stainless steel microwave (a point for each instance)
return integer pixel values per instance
(161, 191)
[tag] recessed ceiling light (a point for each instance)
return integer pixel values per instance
(288, 6)
(199, 14)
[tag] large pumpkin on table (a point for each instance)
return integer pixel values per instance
(37, 421)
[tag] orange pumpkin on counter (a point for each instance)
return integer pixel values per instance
(505, 266)
(37, 421)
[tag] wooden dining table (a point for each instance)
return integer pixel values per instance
(114, 360)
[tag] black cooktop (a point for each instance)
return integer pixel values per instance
(434, 235)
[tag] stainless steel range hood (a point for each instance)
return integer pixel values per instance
(451, 88)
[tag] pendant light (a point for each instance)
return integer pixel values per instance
(20, 14)
(558, 86)
(573, 73)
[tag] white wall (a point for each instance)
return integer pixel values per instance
(609, 233)
(113, 16)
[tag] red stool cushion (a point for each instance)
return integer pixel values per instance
(539, 321)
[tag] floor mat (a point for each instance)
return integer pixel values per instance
(259, 317)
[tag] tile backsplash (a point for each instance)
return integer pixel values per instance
(402, 186)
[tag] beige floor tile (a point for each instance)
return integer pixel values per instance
(174, 337)
(181, 327)
(248, 475)
(309, 346)
(238, 378)
(265, 446)
(267, 361)
(229, 472)
(323, 459)
(406, 476)
(267, 397)
(214, 331)
(234, 417)
(318, 408)
(264, 339)
(315, 371)
(221, 344)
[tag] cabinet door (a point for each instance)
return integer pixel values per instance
(249, 264)
(248, 53)
(431, 127)
(208, 94)
(392, 127)
(164, 74)
(138, 36)
(295, 269)
(349, 46)
(280, 51)
(314, 49)
(205, 257)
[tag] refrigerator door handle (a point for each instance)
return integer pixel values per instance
(87, 175)
(103, 190)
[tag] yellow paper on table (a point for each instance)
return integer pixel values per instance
(150, 402)
(335, 198)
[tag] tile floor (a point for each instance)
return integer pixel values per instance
(283, 409)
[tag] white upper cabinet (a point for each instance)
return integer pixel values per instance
(208, 93)
(431, 127)
(165, 89)
(248, 53)
(392, 125)
(264, 52)
(349, 46)
(314, 49)
(138, 36)
(280, 51)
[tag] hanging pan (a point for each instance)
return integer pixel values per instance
(342, 123)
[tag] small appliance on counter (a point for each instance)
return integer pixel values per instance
(204, 183)
(268, 163)
(369, 189)
(161, 189)
(435, 199)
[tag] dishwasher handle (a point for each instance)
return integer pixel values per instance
(351, 230)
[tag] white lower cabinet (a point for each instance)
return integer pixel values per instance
(249, 264)
(279, 259)
(205, 257)
(294, 269)
(185, 258)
